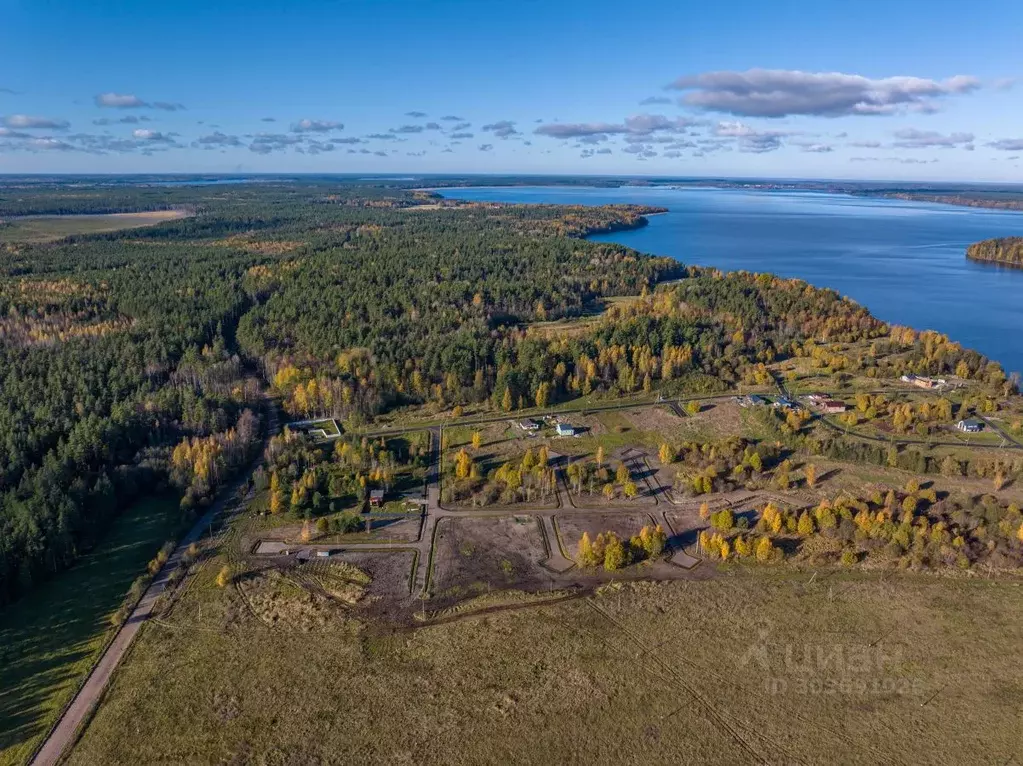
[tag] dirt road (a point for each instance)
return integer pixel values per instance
(78, 712)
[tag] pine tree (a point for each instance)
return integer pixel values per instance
(506, 401)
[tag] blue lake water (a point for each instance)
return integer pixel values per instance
(904, 261)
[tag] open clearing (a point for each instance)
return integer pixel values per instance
(46, 228)
(49, 640)
(476, 555)
(765, 667)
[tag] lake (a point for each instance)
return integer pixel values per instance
(905, 261)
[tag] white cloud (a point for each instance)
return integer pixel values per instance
(780, 93)
(120, 101)
(316, 126)
(28, 122)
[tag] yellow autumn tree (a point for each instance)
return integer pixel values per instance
(586, 557)
(805, 526)
(224, 576)
(615, 556)
(543, 395)
(742, 547)
(810, 474)
(765, 550)
(463, 464)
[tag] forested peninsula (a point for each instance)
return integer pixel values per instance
(1005, 250)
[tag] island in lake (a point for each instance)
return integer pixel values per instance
(1007, 250)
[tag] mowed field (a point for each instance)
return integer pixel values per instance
(46, 228)
(50, 639)
(749, 666)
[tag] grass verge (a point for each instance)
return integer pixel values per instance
(50, 639)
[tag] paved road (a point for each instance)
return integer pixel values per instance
(65, 732)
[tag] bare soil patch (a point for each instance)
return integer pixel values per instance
(715, 421)
(391, 572)
(475, 555)
(660, 419)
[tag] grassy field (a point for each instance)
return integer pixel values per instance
(49, 640)
(46, 228)
(770, 666)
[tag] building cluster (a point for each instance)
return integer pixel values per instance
(824, 403)
(921, 381)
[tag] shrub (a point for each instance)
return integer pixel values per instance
(224, 576)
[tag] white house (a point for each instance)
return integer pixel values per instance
(563, 429)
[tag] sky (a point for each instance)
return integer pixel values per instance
(875, 89)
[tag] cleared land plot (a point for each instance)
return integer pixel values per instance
(500, 443)
(692, 672)
(51, 227)
(611, 430)
(391, 572)
(478, 554)
(376, 529)
(625, 524)
(591, 495)
(49, 640)
(715, 421)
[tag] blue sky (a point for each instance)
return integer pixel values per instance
(887, 90)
